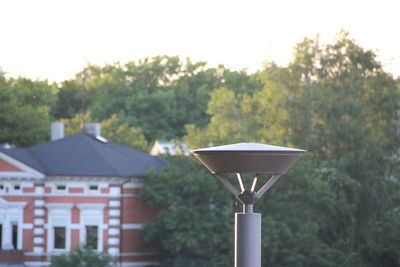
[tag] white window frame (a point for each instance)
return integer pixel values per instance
(11, 213)
(91, 214)
(59, 215)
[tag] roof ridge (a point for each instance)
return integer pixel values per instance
(92, 138)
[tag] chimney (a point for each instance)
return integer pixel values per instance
(92, 129)
(57, 130)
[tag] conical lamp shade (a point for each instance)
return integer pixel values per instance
(248, 157)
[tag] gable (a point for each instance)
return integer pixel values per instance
(12, 168)
(7, 167)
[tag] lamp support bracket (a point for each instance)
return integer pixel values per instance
(228, 185)
(248, 196)
(267, 185)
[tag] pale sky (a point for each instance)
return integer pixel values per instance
(54, 39)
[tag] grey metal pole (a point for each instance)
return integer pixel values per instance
(247, 238)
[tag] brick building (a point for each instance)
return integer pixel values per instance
(81, 189)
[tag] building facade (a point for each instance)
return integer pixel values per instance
(77, 190)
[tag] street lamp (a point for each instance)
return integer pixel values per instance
(248, 158)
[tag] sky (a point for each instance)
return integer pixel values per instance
(55, 39)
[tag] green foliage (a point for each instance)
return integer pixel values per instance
(160, 95)
(24, 116)
(82, 257)
(195, 229)
(122, 133)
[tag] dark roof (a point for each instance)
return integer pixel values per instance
(85, 155)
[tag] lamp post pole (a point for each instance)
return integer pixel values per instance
(247, 237)
(248, 158)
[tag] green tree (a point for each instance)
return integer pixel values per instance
(342, 107)
(160, 95)
(122, 133)
(82, 257)
(37, 93)
(195, 229)
(21, 123)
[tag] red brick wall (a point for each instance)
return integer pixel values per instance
(28, 190)
(75, 190)
(74, 238)
(75, 215)
(27, 242)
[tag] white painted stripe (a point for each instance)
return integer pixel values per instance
(75, 226)
(27, 226)
(115, 191)
(37, 250)
(38, 231)
(38, 212)
(114, 203)
(114, 222)
(38, 221)
(113, 231)
(132, 226)
(114, 212)
(39, 190)
(135, 184)
(113, 251)
(38, 202)
(38, 240)
(113, 241)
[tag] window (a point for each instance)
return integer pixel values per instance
(15, 188)
(59, 237)
(91, 219)
(61, 188)
(1, 187)
(92, 188)
(59, 232)
(91, 237)
(14, 237)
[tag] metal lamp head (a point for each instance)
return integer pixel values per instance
(248, 157)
